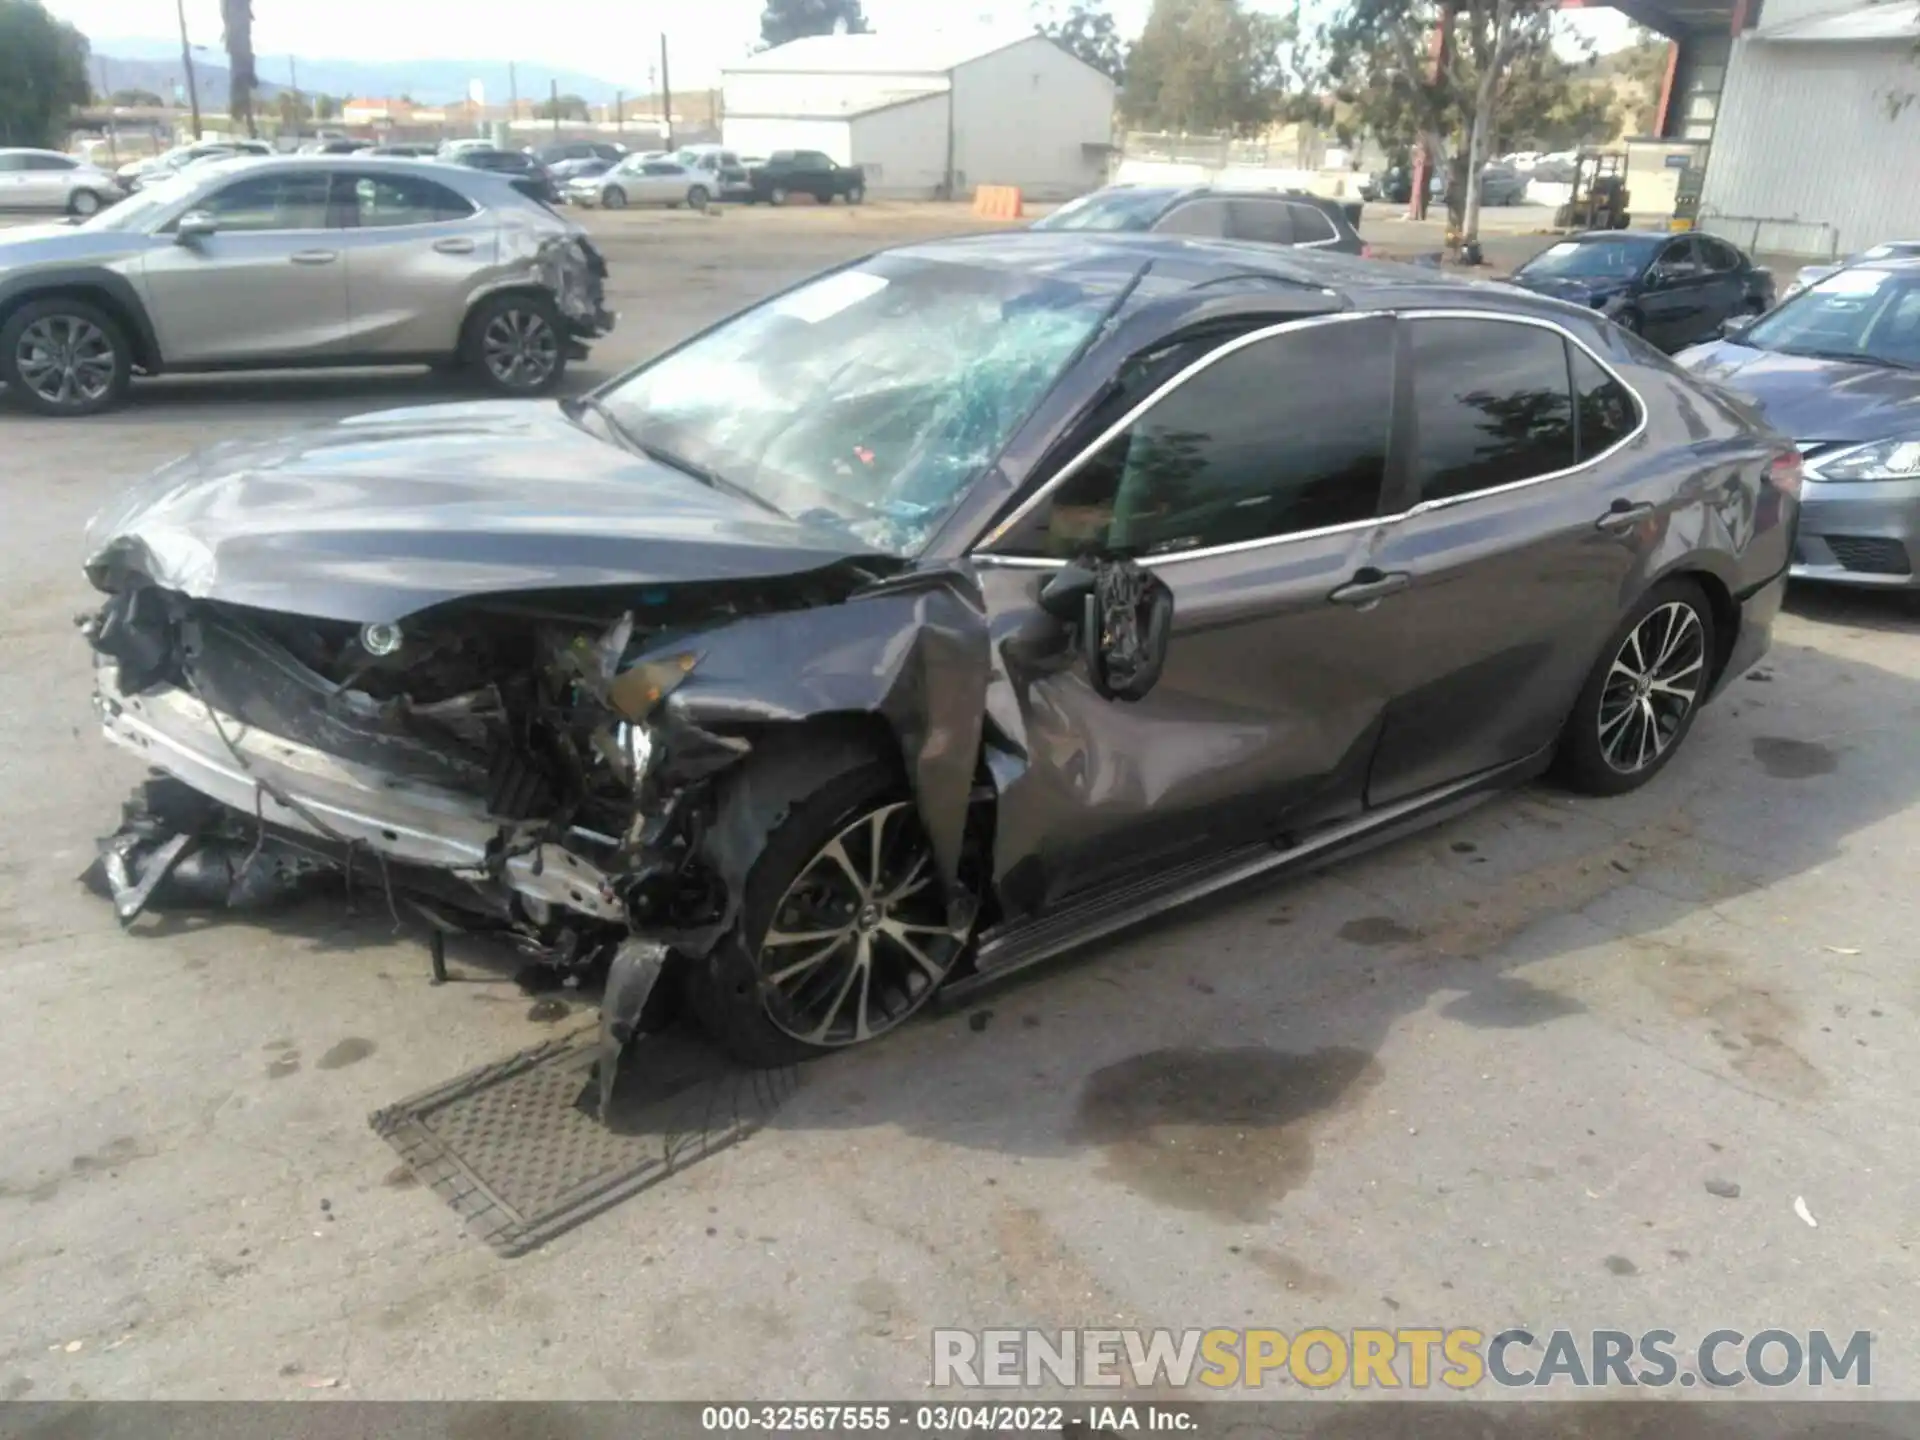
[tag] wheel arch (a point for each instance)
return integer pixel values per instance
(100, 288)
(516, 285)
(1720, 600)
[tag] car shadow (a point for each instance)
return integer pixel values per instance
(1856, 608)
(345, 391)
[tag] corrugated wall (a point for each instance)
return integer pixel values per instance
(1809, 156)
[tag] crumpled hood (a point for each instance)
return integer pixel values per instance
(1592, 291)
(1811, 399)
(380, 516)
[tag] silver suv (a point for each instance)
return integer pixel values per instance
(298, 262)
(48, 180)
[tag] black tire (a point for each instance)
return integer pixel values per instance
(1608, 725)
(777, 195)
(857, 195)
(730, 992)
(86, 202)
(698, 198)
(518, 325)
(613, 198)
(104, 368)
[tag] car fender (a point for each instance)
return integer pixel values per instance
(545, 260)
(19, 289)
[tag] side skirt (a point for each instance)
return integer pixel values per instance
(1009, 949)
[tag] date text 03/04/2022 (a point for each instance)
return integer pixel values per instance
(941, 1419)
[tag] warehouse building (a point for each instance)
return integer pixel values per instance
(929, 117)
(1800, 118)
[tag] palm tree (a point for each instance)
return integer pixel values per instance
(237, 16)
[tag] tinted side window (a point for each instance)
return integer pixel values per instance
(1270, 222)
(1718, 256)
(272, 202)
(1606, 409)
(1311, 226)
(49, 162)
(9, 163)
(1209, 218)
(403, 200)
(660, 167)
(1491, 404)
(1679, 258)
(1285, 435)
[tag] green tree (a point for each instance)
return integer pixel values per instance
(237, 16)
(1212, 65)
(1642, 71)
(1085, 28)
(1380, 58)
(785, 20)
(566, 107)
(325, 107)
(135, 99)
(293, 109)
(43, 74)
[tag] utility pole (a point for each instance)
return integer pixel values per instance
(553, 102)
(106, 99)
(619, 112)
(293, 79)
(186, 59)
(666, 92)
(513, 97)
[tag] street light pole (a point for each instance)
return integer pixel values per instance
(186, 59)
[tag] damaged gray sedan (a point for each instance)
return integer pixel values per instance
(952, 609)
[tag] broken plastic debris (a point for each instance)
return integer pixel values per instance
(1842, 950)
(1800, 1209)
(329, 1383)
(73, 1345)
(1725, 1189)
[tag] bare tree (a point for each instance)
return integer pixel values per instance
(237, 16)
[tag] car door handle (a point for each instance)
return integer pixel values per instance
(314, 257)
(1369, 585)
(454, 246)
(1622, 517)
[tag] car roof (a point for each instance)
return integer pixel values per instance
(447, 173)
(1898, 264)
(1643, 237)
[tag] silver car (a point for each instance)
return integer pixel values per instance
(136, 173)
(48, 180)
(645, 180)
(295, 262)
(1810, 275)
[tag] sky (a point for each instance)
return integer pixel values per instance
(614, 39)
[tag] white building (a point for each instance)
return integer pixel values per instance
(1816, 143)
(930, 116)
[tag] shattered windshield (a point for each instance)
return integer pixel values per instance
(870, 399)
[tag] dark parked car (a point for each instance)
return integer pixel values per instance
(805, 172)
(1268, 217)
(965, 604)
(407, 151)
(1838, 367)
(508, 162)
(584, 169)
(1673, 289)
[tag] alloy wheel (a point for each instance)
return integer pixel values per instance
(1651, 687)
(520, 349)
(860, 938)
(84, 203)
(66, 360)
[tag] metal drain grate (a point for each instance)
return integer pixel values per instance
(517, 1149)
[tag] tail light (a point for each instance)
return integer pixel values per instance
(1784, 473)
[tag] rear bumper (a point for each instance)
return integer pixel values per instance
(1758, 611)
(1861, 533)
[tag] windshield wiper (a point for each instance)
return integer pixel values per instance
(1857, 357)
(710, 478)
(573, 405)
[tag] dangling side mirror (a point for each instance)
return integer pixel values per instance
(1124, 618)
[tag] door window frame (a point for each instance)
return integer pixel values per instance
(1394, 476)
(343, 202)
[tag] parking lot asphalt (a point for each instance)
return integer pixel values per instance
(1560, 1063)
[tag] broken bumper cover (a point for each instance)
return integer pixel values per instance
(296, 787)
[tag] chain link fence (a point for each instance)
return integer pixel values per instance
(1768, 235)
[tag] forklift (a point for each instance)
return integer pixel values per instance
(1599, 197)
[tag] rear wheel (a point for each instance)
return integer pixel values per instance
(514, 344)
(64, 357)
(843, 932)
(1639, 704)
(698, 198)
(84, 203)
(777, 195)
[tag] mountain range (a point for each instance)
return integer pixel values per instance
(139, 63)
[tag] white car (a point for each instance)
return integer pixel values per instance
(48, 180)
(136, 173)
(645, 180)
(1810, 275)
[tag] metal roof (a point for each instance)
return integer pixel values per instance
(1898, 20)
(939, 53)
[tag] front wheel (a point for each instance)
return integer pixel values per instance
(613, 198)
(777, 195)
(698, 198)
(857, 195)
(1639, 703)
(64, 357)
(514, 344)
(84, 203)
(843, 932)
